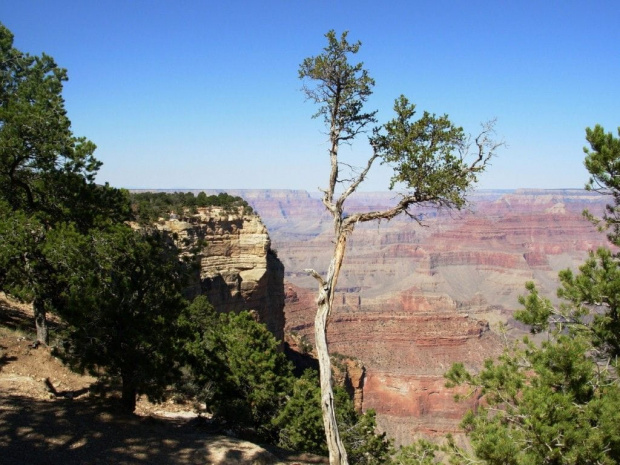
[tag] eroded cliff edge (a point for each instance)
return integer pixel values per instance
(236, 268)
(413, 300)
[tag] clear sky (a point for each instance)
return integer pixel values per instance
(205, 94)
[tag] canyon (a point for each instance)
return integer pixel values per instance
(415, 297)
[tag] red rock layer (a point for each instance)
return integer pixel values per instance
(412, 300)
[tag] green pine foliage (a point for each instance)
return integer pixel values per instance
(259, 376)
(549, 404)
(558, 402)
(21, 237)
(426, 154)
(359, 434)
(203, 370)
(603, 163)
(300, 424)
(235, 366)
(37, 148)
(44, 169)
(148, 207)
(421, 452)
(47, 177)
(120, 300)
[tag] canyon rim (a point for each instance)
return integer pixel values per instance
(414, 299)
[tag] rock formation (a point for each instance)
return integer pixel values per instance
(412, 300)
(237, 269)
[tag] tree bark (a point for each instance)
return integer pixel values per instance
(129, 392)
(341, 89)
(40, 321)
(337, 451)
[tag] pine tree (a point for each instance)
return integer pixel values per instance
(47, 176)
(121, 300)
(559, 402)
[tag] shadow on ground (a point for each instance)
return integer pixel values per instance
(14, 319)
(79, 432)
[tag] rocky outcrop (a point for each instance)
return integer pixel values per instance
(351, 374)
(237, 270)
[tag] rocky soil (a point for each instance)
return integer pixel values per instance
(48, 415)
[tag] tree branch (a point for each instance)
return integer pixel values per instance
(354, 185)
(316, 276)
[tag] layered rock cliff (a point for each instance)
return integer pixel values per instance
(237, 270)
(412, 300)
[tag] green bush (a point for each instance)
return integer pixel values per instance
(300, 424)
(234, 365)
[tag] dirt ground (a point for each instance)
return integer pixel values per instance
(49, 416)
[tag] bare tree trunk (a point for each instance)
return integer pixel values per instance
(40, 321)
(341, 89)
(337, 451)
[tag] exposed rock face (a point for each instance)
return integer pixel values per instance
(406, 343)
(412, 300)
(238, 270)
(351, 374)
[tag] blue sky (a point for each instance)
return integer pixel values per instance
(205, 94)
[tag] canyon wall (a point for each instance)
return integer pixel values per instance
(414, 299)
(237, 270)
